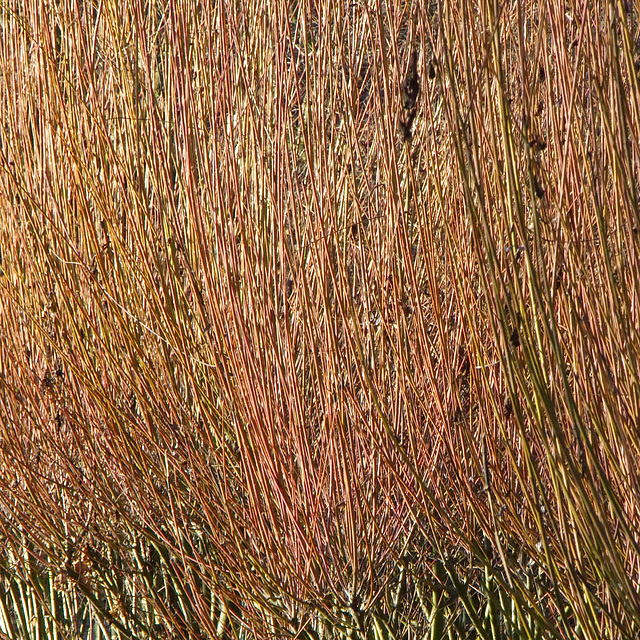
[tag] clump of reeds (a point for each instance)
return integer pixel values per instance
(319, 320)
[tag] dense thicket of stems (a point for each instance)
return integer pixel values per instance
(296, 342)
